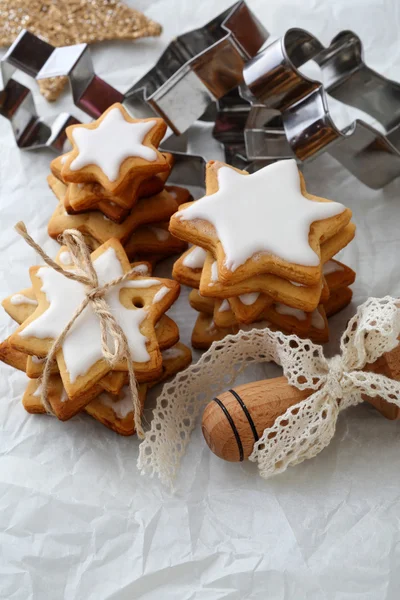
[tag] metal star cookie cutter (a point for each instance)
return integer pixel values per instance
(195, 69)
(189, 170)
(41, 60)
(243, 125)
(275, 81)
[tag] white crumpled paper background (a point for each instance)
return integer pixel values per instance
(78, 522)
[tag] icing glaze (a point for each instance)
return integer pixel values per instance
(64, 396)
(331, 267)
(38, 392)
(317, 320)
(249, 299)
(65, 258)
(82, 346)
(141, 283)
(224, 306)
(37, 360)
(297, 284)
(162, 292)
(121, 407)
(161, 234)
(262, 213)
(196, 258)
(141, 270)
(110, 143)
(18, 299)
(171, 353)
(282, 309)
(211, 327)
(214, 273)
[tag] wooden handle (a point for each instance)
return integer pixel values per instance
(234, 420)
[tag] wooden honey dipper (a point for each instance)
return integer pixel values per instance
(236, 419)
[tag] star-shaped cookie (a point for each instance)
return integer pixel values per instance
(114, 149)
(137, 305)
(99, 227)
(261, 223)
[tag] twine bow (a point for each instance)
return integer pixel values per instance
(305, 428)
(114, 345)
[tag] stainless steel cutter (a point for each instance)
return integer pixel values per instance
(276, 83)
(197, 68)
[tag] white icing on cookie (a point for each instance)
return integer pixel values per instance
(161, 234)
(249, 299)
(37, 360)
(171, 353)
(282, 309)
(214, 272)
(141, 283)
(224, 306)
(65, 258)
(195, 258)
(121, 407)
(38, 392)
(211, 328)
(64, 396)
(110, 143)
(18, 299)
(141, 270)
(297, 284)
(317, 320)
(262, 213)
(331, 267)
(82, 346)
(162, 292)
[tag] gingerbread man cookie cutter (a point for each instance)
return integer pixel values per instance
(276, 83)
(196, 68)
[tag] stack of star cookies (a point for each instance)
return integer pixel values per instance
(263, 251)
(81, 379)
(112, 185)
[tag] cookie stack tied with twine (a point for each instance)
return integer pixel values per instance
(262, 253)
(93, 335)
(111, 184)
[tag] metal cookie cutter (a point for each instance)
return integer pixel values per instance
(195, 69)
(40, 60)
(274, 79)
(243, 125)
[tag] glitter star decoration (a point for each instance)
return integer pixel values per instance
(62, 23)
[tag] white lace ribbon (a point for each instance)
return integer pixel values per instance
(305, 428)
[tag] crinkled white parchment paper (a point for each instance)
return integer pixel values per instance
(77, 522)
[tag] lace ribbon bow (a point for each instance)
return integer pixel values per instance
(305, 428)
(308, 427)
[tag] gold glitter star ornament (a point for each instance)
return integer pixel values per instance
(63, 23)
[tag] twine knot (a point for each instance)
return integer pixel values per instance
(114, 344)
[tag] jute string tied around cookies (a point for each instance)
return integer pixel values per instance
(305, 428)
(114, 344)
